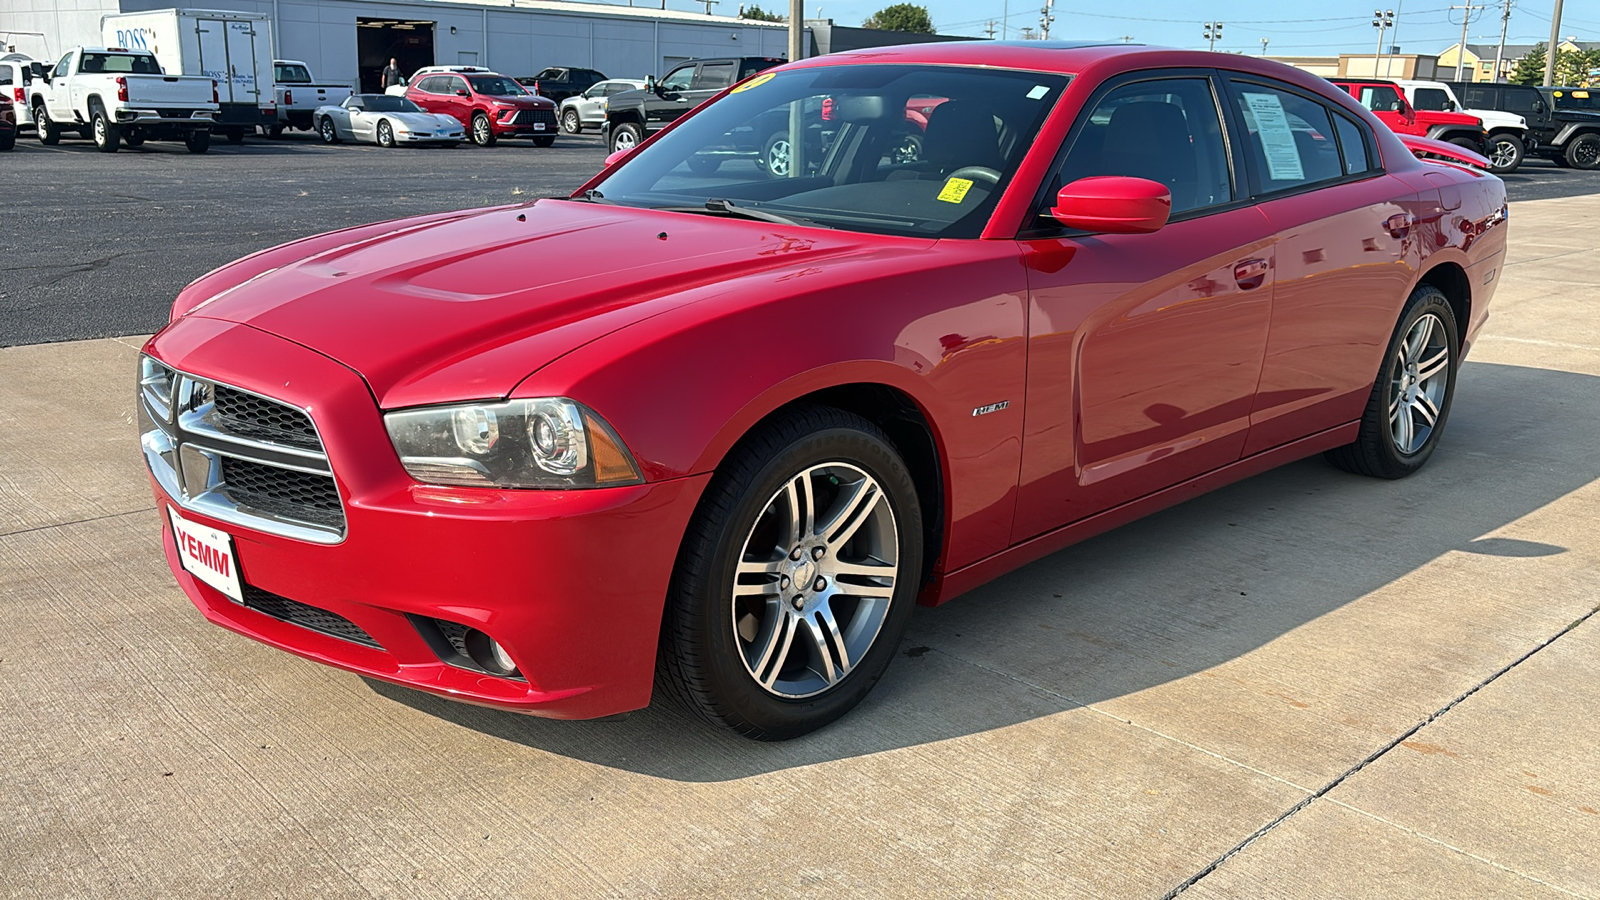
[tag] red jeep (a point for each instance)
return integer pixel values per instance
(1388, 103)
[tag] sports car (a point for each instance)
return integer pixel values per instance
(386, 121)
(720, 429)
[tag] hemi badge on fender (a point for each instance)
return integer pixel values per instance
(993, 407)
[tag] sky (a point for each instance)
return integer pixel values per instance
(1292, 29)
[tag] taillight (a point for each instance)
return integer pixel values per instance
(214, 97)
(122, 89)
(21, 98)
(288, 97)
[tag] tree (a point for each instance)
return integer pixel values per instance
(761, 15)
(1530, 68)
(902, 17)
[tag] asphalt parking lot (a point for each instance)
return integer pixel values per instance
(1306, 684)
(103, 242)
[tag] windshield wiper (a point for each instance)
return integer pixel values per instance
(719, 207)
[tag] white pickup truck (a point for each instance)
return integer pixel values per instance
(299, 95)
(111, 96)
(1508, 139)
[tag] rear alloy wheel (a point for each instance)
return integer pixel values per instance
(385, 134)
(1583, 151)
(797, 577)
(482, 132)
(571, 123)
(1406, 411)
(49, 135)
(330, 134)
(107, 137)
(1505, 153)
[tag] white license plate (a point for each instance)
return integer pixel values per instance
(207, 554)
(538, 126)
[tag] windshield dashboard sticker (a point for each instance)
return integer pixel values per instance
(993, 407)
(955, 190)
(755, 82)
(1038, 92)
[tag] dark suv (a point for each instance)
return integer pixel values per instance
(557, 83)
(635, 115)
(1566, 137)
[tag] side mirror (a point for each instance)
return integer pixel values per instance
(651, 85)
(1450, 106)
(462, 92)
(615, 158)
(1113, 204)
(38, 70)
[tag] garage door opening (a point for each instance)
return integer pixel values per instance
(409, 43)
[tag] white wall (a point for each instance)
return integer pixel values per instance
(65, 23)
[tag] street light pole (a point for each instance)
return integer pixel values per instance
(1381, 20)
(1213, 32)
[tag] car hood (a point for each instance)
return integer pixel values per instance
(465, 306)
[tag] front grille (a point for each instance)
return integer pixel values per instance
(247, 415)
(306, 616)
(237, 456)
(282, 492)
(533, 116)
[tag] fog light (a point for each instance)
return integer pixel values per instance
(488, 654)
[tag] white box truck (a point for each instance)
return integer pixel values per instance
(233, 48)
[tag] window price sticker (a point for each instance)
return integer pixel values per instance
(1277, 140)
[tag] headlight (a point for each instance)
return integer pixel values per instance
(548, 442)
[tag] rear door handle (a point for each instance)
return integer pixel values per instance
(1250, 273)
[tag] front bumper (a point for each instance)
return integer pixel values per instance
(571, 583)
(410, 137)
(525, 123)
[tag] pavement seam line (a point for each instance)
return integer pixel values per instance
(1452, 847)
(1194, 879)
(119, 515)
(1073, 702)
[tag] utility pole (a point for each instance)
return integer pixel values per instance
(1213, 34)
(1500, 53)
(1005, 20)
(1381, 20)
(1553, 48)
(1046, 16)
(989, 29)
(797, 30)
(1126, 39)
(1467, 10)
(709, 4)
(1264, 46)
(1027, 33)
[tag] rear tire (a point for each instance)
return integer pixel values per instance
(133, 138)
(274, 131)
(1410, 401)
(8, 140)
(1583, 152)
(107, 137)
(1505, 153)
(778, 620)
(49, 134)
(197, 141)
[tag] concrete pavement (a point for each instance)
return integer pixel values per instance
(1307, 684)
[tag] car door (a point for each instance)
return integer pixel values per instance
(361, 123)
(1345, 255)
(1144, 349)
(672, 98)
(58, 99)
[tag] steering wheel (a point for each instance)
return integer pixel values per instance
(977, 173)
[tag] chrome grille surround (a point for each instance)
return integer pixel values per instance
(190, 445)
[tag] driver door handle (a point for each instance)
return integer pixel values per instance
(1250, 274)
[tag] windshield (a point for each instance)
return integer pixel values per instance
(383, 103)
(495, 86)
(910, 150)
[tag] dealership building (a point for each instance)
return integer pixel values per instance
(350, 41)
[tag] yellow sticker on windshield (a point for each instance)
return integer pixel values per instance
(755, 82)
(955, 190)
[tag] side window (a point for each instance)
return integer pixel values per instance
(714, 76)
(1289, 139)
(61, 67)
(1431, 99)
(1166, 130)
(1353, 141)
(1381, 98)
(452, 83)
(1477, 98)
(678, 79)
(5, 75)
(1520, 102)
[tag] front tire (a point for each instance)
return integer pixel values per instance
(329, 132)
(571, 123)
(1505, 153)
(385, 134)
(796, 579)
(482, 132)
(1583, 152)
(49, 134)
(626, 136)
(1406, 411)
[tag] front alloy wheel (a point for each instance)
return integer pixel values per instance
(482, 131)
(796, 578)
(570, 123)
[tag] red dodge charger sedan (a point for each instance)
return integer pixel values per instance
(729, 426)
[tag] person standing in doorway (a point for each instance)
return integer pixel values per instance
(391, 75)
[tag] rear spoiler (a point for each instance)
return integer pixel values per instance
(1430, 150)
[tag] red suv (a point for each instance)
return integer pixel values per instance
(1388, 103)
(490, 106)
